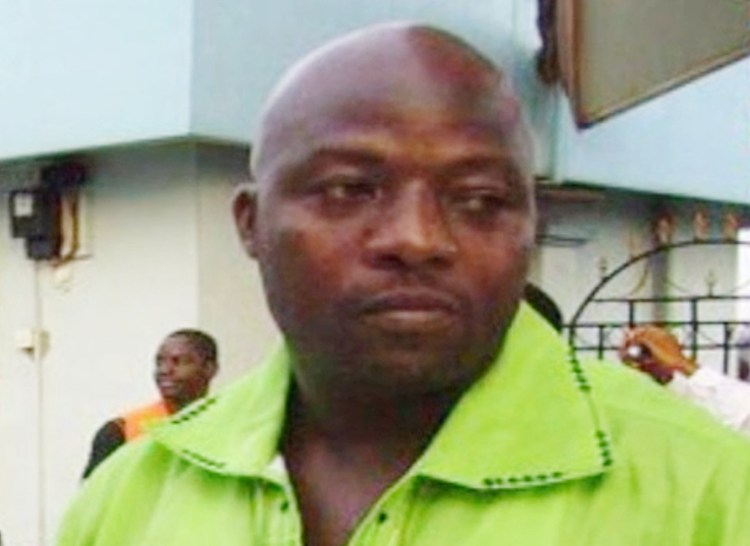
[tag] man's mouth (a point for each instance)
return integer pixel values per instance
(411, 311)
(166, 384)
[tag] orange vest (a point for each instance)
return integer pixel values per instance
(137, 421)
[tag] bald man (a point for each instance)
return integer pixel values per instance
(415, 400)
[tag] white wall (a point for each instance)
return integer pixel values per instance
(19, 389)
(230, 301)
(743, 272)
(608, 229)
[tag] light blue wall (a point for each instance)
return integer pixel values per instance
(693, 141)
(85, 73)
(79, 74)
(241, 48)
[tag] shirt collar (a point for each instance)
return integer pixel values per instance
(528, 421)
(236, 431)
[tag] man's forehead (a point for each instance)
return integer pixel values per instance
(438, 141)
(387, 71)
(409, 51)
(176, 342)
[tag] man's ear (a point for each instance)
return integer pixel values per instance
(213, 368)
(244, 207)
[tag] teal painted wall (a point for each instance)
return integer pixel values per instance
(78, 74)
(241, 49)
(82, 74)
(692, 141)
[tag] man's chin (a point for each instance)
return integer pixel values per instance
(418, 370)
(169, 393)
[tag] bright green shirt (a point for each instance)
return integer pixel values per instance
(540, 451)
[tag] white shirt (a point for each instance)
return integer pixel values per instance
(726, 398)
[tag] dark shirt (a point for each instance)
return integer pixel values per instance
(107, 439)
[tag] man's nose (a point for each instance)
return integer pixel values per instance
(412, 231)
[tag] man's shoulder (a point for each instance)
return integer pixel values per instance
(148, 456)
(229, 435)
(127, 482)
(136, 457)
(669, 452)
(110, 428)
(153, 407)
(643, 414)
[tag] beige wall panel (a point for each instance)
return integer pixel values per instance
(626, 52)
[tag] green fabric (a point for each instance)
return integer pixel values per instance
(540, 451)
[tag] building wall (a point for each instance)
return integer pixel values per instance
(691, 141)
(230, 300)
(587, 239)
(240, 49)
(84, 73)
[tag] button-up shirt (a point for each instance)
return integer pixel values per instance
(541, 450)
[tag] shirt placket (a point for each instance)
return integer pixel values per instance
(286, 524)
(385, 521)
(278, 514)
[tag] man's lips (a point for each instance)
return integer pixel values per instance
(166, 384)
(411, 310)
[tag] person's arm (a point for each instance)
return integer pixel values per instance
(725, 397)
(107, 439)
(656, 352)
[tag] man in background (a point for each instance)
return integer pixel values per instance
(185, 364)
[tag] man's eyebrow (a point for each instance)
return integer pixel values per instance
(481, 160)
(348, 154)
(505, 163)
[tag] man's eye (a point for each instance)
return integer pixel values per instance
(349, 190)
(483, 202)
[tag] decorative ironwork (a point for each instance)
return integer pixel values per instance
(697, 333)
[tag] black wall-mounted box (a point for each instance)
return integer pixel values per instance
(35, 216)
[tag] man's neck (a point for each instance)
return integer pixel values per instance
(343, 453)
(173, 406)
(387, 424)
(383, 421)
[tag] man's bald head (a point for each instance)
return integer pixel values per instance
(417, 67)
(394, 216)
